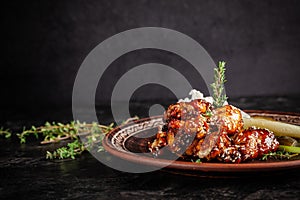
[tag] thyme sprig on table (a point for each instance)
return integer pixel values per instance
(72, 132)
(79, 137)
(218, 85)
(52, 132)
(5, 132)
(92, 134)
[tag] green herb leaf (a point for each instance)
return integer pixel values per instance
(279, 155)
(218, 85)
(5, 132)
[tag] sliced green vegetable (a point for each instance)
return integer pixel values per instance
(279, 128)
(289, 149)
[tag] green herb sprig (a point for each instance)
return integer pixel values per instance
(79, 136)
(218, 85)
(72, 150)
(51, 132)
(279, 155)
(91, 137)
(5, 132)
(196, 160)
(92, 134)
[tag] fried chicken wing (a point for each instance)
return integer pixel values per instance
(255, 142)
(224, 150)
(230, 118)
(188, 131)
(186, 110)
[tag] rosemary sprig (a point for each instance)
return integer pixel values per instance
(218, 85)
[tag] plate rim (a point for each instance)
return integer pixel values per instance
(201, 167)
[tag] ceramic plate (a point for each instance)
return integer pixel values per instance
(130, 142)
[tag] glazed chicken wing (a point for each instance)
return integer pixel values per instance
(255, 142)
(186, 110)
(229, 117)
(190, 130)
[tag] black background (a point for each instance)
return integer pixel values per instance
(45, 42)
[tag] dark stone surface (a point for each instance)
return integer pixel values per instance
(26, 174)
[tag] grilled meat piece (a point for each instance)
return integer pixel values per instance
(219, 145)
(224, 150)
(181, 133)
(186, 110)
(196, 125)
(190, 132)
(255, 142)
(184, 122)
(229, 117)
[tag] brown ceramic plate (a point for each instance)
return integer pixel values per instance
(129, 142)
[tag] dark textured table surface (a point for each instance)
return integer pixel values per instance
(26, 174)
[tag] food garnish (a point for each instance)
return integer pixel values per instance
(93, 133)
(218, 86)
(290, 149)
(279, 128)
